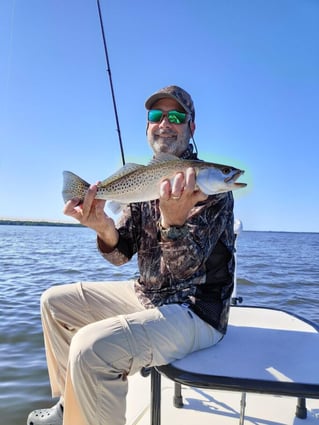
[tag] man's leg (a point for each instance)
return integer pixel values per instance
(67, 308)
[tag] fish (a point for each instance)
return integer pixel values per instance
(139, 183)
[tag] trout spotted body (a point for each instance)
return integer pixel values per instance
(139, 183)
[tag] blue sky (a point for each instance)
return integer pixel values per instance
(251, 66)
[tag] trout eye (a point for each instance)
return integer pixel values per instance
(226, 170)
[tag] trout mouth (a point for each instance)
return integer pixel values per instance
(234, 177)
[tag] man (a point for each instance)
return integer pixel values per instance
(98, 333)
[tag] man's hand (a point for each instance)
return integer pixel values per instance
(91, 214)
(178, 199)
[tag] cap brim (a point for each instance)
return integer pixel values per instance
(157, 96)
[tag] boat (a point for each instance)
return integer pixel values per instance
(264, 372)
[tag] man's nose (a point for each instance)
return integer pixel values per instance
(164, 121)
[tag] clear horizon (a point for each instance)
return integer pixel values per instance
(70, 221)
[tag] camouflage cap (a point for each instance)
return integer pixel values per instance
(176, 93)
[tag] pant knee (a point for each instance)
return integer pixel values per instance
(80, 348)
(85, 358)
(102, 347)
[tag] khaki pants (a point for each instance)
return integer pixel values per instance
(97, 333)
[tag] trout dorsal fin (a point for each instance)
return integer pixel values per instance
(163, 157)
(123, 171)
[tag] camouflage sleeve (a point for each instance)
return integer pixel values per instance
(186, 256)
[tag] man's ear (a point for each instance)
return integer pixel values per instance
(192, 127)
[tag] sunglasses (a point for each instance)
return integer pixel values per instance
(174, 117)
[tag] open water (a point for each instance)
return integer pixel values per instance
(275, 269)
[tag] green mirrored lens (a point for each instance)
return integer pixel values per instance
(155, 115)
(176, 117)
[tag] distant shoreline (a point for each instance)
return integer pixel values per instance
(38, 223)
(22, 222)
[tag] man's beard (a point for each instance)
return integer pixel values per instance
(168, 142)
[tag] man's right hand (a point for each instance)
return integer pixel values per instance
(91, 214)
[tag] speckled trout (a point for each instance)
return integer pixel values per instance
(139, 183)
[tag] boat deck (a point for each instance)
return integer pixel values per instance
(208, 407)
(265, 351)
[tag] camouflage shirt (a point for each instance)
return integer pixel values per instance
(197, 268)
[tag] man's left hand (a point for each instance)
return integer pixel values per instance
(178, 198)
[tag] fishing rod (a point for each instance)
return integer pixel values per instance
(108, 69)
(115, 109)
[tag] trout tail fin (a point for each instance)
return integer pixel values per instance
(73, 187)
